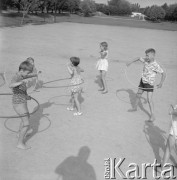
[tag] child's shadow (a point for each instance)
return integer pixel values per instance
(98, 81)
(35, 119)
(156, 138)
(132, 97)
(80, 98)
(76, 167)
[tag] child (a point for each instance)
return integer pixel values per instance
(102, 66)
(76, 82)
(34, 80)
(151, 68)
(19, 99)
(172, 138)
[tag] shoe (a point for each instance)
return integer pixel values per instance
(132, 110)
(101, 89)
(104, 92)
(77, 114)
(70, 108)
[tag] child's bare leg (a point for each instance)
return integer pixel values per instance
(71, 108)
(137, 100)
(151, 105)
(23, 133)
(20, 127)
(78, 106)
(168, 149)
(104, 82)
(22, 109)
(101, 80)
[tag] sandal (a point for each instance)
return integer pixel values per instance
(77, 114)
(70, 108)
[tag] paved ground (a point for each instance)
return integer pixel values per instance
(106, 129)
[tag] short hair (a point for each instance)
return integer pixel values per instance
(105, 45)
(75, 61)
(30, 59)
(150, 50)
(26, 66)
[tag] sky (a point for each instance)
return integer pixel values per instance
(144, 3)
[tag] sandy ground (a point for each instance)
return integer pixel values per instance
(106, 129)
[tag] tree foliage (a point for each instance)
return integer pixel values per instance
(119, 7)
(88, 7)
(155, 13)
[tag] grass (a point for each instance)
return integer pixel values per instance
(14, 19)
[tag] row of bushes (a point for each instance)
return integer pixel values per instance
(163, 12)
(89, 7)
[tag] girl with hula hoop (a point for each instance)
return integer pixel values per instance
(19, 100)
(35, 79)
(151, 68)
(172, 138)
(76, 81)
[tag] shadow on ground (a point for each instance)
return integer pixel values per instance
(76, 167)
(35, 119)
(156, 139)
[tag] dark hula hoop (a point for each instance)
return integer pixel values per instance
(24, 115)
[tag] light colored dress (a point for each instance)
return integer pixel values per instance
(102, 64)
(76, 81)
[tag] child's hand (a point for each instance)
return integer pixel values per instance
(159, 85)
(39, 72)
(28, 97)
(25, 80)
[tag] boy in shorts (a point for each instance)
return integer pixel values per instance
(151, 68)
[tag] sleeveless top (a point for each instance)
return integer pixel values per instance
(19, 92)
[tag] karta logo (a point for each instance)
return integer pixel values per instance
(113, 170)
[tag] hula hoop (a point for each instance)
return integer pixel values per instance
(65, 86)
(135, 86)
(24, 115)
(5, 125)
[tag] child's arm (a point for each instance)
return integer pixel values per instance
(31, 75)
(103, 54)
(163, 76)
(69, 69)
(135, 60)
(16, 83)
(80, 69)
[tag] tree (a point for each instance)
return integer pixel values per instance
(156, 13)
(72, 6)
(88, 7)
(6, 3)
(175, 14)
(135, 7)
(170, 12)
(119, 7)
(102, 8)
(165, 7)
(25, 6)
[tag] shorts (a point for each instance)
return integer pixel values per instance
(19, 99)
(149, 87)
